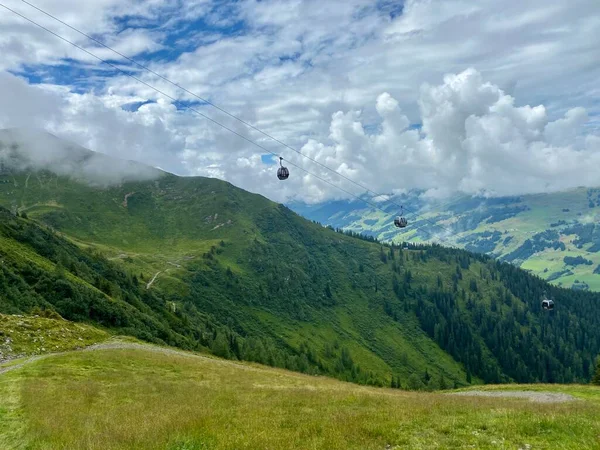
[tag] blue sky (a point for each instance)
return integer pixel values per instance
(436, 93)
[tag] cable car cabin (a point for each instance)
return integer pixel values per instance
(283, 173)
(400, 222)
(548, 304)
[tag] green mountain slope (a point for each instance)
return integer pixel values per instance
(541, 233)
(200, 264)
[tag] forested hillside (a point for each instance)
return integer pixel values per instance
(547, 234)
(201, 264)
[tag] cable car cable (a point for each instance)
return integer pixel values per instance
(264, 133)
(444, 239)
(226, 112)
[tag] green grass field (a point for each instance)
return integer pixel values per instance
(153, 398)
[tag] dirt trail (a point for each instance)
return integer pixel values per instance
(116, 344)
(27, 361)
(534, 396)
(153, 279)
(127, 198)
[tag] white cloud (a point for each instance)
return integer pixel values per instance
(322, 76)
(474, 139)
(144, 135)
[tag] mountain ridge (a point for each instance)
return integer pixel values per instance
(201, 264)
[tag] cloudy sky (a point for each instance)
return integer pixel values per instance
(479, 96)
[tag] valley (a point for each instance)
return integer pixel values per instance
(540, 233)
(231, 321)
(292, 224)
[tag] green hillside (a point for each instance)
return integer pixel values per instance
(200, 264)
(131, 397)
(539, 233)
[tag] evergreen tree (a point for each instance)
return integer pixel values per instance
(220, 346)
(443, 384)
(596, 377)
(426, 377)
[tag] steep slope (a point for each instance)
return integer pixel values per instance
(541, 233)
(198, 263)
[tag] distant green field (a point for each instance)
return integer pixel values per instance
(150, 398)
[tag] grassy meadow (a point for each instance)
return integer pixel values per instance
(144, 397)
(28, 336)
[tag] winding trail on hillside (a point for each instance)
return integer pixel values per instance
(27, 361)
(153, 279)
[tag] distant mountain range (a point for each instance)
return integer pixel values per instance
(555, 236)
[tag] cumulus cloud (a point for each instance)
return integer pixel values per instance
(474, 139)
(85, 119)
(343, 81)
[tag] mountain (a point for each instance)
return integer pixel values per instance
(30, 150)
(200, 264)
(555, 236)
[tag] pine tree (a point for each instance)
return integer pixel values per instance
(426, 377)
(596, 377)
(443, 384)
(383, 256)
(220, 346)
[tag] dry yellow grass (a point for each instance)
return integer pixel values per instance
(134, 398)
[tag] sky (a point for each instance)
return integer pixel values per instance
(484, 97)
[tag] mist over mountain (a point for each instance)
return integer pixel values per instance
(35, 150)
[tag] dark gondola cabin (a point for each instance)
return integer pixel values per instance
(547, 304)
(400, 222)
(282, 173)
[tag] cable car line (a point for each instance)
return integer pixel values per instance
(190, 108)
(227, 112)
(177, 85)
